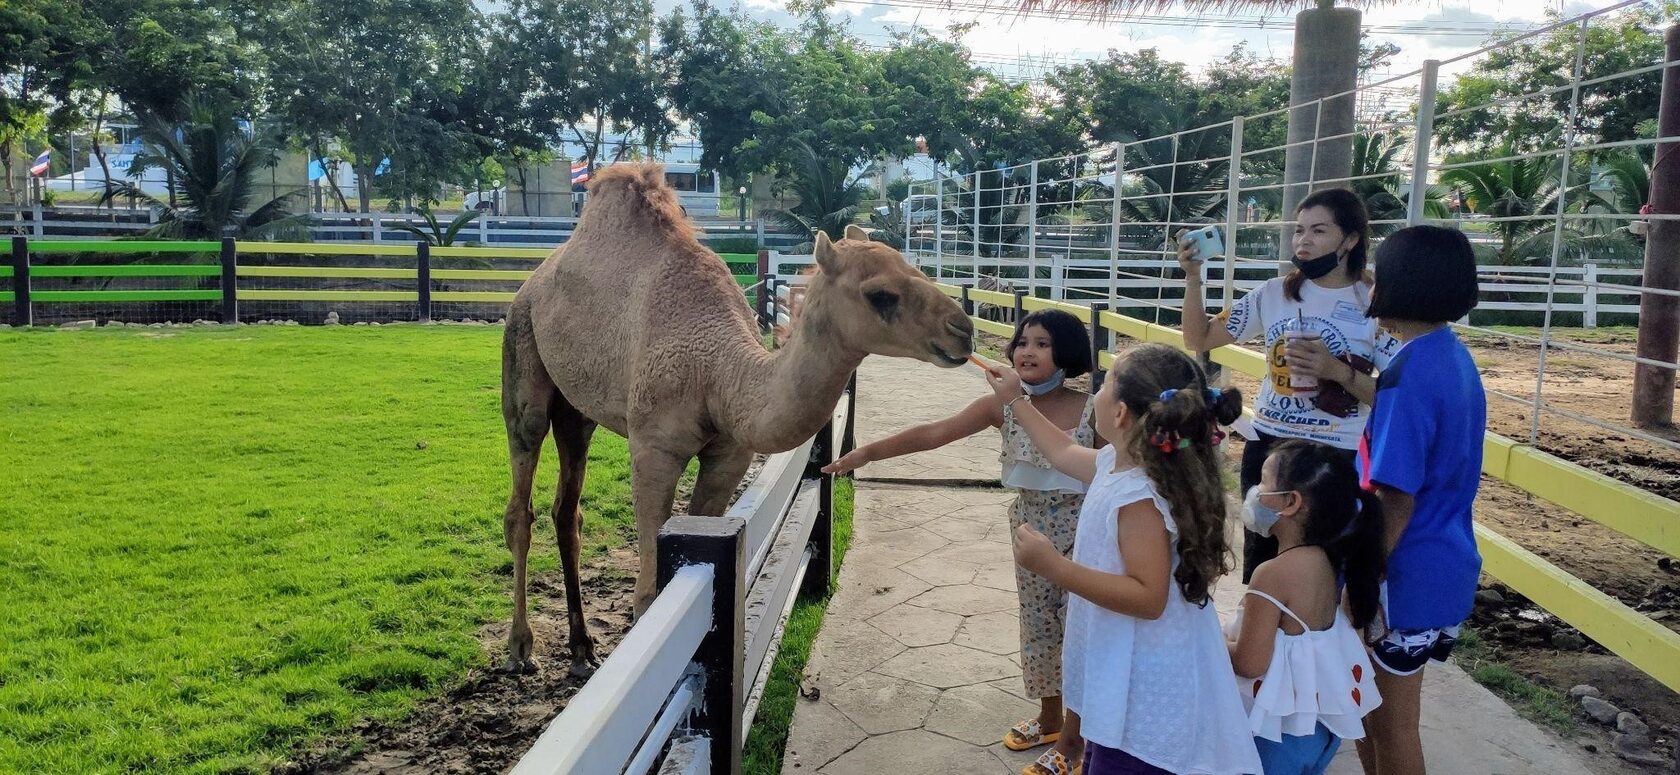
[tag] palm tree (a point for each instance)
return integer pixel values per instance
(436, 233)
(1386, 195)
(830, 196)
(1521, 195)
(215, 167)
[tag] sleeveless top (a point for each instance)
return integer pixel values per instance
(1158, 689)
(1316, 677)
(1024, 467)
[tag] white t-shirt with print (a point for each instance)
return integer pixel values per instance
(1338, 315)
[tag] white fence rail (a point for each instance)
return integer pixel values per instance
(682, 687)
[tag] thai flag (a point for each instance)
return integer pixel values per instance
(39, 168)
(580, 172)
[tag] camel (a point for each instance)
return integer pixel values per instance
(634, 325)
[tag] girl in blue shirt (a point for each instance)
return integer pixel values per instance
(1422, 455)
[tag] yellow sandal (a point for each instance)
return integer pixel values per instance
(1052, 762)
(1028, 734)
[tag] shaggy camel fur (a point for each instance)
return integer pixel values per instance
(636, 326)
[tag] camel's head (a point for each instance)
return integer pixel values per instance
(878, 303)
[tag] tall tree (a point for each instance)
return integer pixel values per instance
(1609, 111)
(40, 63)
(370, 79)
(722, 68)
(593, 66)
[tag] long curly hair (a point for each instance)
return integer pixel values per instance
(1187, 472)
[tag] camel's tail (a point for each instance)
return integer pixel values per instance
(634, 193)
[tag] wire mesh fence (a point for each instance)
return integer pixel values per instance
(1556, 220)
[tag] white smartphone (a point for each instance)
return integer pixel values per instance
(1207, 241)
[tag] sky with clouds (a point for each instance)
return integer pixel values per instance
(1020, 46)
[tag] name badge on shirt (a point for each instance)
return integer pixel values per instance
(1348, 311)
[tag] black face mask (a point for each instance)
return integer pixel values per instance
(1315, 268)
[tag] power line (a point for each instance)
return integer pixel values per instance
(1447, 28)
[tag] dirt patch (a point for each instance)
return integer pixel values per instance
(487, 722)
(492, 718)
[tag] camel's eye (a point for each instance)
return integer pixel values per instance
(884, 302)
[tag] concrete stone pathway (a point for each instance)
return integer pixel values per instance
(917, 668)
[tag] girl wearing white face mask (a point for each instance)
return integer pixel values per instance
(1302, 669)
(1320, 347)
(1049, 347)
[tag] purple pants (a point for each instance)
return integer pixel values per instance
(1100, 760)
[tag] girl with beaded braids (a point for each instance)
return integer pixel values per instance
(1144, 664)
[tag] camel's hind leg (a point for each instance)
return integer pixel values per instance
(572, 432)
(527, 394)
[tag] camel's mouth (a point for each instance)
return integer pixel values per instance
(946, 359)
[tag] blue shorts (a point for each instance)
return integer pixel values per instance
(1404, 652)
(1298, 754)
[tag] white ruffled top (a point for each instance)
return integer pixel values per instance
(1316, 677)
(1024, 466)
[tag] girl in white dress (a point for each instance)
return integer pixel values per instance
(1144, 666)
(1303, 672)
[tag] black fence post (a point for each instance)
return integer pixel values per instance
(759, 296)
(23, 313)
(719, 542)
(230, 280)
(1099, 344)
(848, 441)
(770, 288)
(819, 573)
(1020, 310)
(423, 270)
(967, 303)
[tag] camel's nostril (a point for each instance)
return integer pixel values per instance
(963, 330)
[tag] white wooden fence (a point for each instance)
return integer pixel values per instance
(683, 686)
(1589, 291)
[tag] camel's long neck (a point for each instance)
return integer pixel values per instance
(788, 396)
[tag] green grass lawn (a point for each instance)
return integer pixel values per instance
(216, 543)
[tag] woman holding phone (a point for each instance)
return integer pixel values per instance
(1320, 347)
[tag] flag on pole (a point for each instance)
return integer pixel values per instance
(39, 167)
(580, 172)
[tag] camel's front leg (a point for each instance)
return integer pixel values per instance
(721, 469)
(653, 485)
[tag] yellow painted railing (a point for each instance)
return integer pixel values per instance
(1635, 513)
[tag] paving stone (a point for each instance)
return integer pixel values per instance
(997, 575)
(956, 530)
(848, 653)
(973, 713)
(977, 552)
(914, 626)
(1014, 686)
(948, 665)
(994, 633)
(968, 601)
(913, 751)
(862, 595)
(822, 734)
(940, 573)
(881, 703)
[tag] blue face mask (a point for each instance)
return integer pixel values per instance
(1257, 517)
(1055, 381)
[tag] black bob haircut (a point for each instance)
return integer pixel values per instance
(1424, 273)
(1070, 344)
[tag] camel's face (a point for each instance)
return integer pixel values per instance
(884, 306)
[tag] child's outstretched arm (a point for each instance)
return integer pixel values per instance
(982, 414)
(1067, 455)
(1145, 548)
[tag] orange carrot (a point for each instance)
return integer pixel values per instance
(976, 360)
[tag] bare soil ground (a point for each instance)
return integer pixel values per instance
(492, 718)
